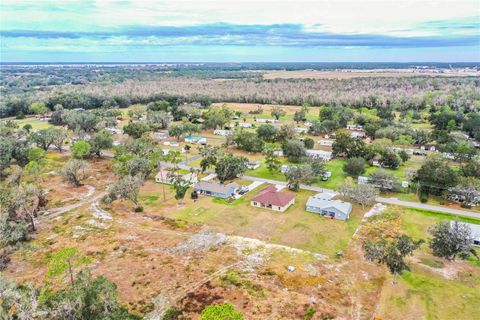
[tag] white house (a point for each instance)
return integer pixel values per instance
(114, 130)
(354, 127)
(222, 133)
(315, 154)
(245, 125)
(278, 153)
(160, 135)
(301, 130)
(327, 143)
(266, 120)
(357, 134)
(253, 164)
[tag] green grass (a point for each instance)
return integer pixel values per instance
(35, 123)
(294, 227)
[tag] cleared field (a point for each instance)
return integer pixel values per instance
(295, 227)
(35, 123)
(434, 288)
(349, 74)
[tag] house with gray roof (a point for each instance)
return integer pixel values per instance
(215, 189)
(323, 204)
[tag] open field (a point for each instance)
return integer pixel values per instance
(434, 288)
(349, 74)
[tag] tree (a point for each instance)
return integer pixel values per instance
(318, 167)
(467, 191)
(158, 120)
(138, 166)
(44, 138)
(391, 253)
(81, 121)
(271, 160)
(309, 143)
(126, 187)
(62, 260)
(136, 111)
(277, 112)
(471, 169)
(300, 115)
(80, 149)
(28, 127)
(298, 175)
(59, 115)
(436, 175)
(345, 145)
(216, 117)
(354, 166)
(101, 140)
(451, 239)
(224, 311)
(136, 129)
(59, 137)
(294, 150)
(248, 141)
(176, 130)
(363, 194)
(38, 108)
(180, 186)
(74, 171)
(229, 167)
(382, 179)
(404, 156)
(317, 128)
(160, 105)
(286, 132)
(210, 158)
(267, 132)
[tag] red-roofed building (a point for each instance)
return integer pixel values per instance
(270, 198)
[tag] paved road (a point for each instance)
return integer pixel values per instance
(424, 206)
(187, 161)
(393, 201)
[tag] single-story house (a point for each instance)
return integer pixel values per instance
(116, 143)
(270, 198)
(196, 139)
(363, 180)
(245, 125)
(160, 135)
(420, 152)
(357, 134)
(78, 109)
(475, 231)
(325, 206)
(327, 143)
(278, 153)
(253, 164)
(315, 154)
(428, 148)
(165, 176)
(266, 120)
(114, 130)
(223, 133)
(301, 130)
(354, 127)
(330, 136)
(215, 189)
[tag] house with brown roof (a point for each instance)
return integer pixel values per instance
(270, 198)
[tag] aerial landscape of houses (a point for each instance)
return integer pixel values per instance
(239, 160)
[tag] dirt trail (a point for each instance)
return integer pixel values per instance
(86, 199)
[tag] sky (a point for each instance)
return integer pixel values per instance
(240, 31)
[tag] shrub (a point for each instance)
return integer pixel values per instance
(224, 311)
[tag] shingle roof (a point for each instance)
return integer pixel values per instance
(320, 201)
(216, 187)
(271, 196)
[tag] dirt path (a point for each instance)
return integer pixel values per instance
(86, 199)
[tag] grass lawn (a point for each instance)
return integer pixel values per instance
(35, 123)
(424, 292)
(295, 227)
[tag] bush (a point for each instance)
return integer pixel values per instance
(224, 311)
(354, 166)
(309, 313)
(171, 313)
(20, 115)
(423, 197)
(138, 209)
(309, 143)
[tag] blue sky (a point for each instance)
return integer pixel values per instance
(236, 31)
